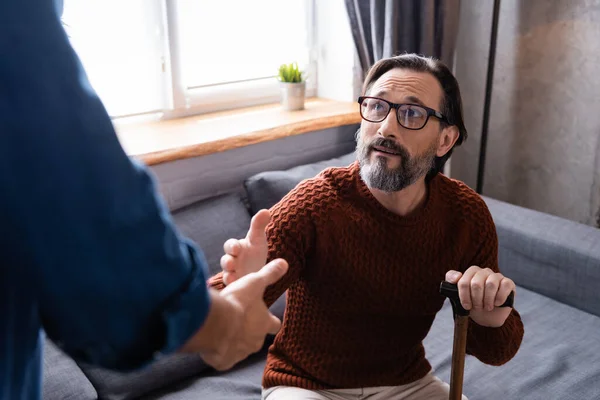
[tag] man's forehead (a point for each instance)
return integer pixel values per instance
(401, 85)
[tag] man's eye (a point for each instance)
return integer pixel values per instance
(376, 106)
(414, 113)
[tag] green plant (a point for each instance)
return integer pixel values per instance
(290, 73)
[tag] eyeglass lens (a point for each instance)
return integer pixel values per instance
(409, 116)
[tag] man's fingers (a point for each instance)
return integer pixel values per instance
(258, 224)
(226, 278)
(478, 288)
(464, 287)
(221, 365)
(506, 286)
(492, 284)
(274, 325)
(229, 278)
(453, 276)
(273, 271)
(232, 247)
(228, 263)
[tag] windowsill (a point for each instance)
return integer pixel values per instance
(163, 141)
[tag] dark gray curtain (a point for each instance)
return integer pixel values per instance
(384, 28)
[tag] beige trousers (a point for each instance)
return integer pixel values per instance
(427, 388)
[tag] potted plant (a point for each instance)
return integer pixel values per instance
(293, 87)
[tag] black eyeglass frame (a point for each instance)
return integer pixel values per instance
(396, 106)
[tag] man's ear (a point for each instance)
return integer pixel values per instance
(448, 137)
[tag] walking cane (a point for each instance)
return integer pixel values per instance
(461, 325)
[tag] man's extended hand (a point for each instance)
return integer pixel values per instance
(239, 319)
(482, 291)
(246, 255)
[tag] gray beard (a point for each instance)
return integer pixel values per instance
(377, 175)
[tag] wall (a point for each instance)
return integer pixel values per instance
(544, 134)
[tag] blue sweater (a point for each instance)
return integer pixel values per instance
(88, 251)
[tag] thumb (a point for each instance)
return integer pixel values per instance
(258, 224)
(272, 272)
(274, 325)
(453, 276)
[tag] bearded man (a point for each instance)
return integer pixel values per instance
(369, 244)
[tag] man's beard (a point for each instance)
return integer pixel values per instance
(377, 175)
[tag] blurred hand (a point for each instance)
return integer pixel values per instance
(248, 255)
(482, 291)
(248, 318)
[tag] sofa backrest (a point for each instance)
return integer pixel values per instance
(209, 223)
(265, 189)
(553, 256)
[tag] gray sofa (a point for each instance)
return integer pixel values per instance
(555, 263)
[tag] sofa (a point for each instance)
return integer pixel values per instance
(554, 262)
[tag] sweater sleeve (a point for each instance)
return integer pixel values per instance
(493, 346)
(290, 235)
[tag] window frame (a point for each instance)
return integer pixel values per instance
(179, 101)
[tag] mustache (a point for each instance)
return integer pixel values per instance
(388, 144)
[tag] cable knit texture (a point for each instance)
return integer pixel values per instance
(363, 282)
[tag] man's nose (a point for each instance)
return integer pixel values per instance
(390, 128)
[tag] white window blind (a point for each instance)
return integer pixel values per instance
(229, 41)
(119, 44)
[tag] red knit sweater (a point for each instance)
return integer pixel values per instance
(363, 282)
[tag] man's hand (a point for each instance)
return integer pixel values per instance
(482, 291)
(246, 255)
(238, 320)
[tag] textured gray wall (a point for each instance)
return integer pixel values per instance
(544, 135)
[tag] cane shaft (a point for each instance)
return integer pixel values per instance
(461, 325)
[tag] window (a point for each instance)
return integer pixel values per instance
(189, 56)
(119, 46)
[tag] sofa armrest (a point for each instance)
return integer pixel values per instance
(553, 256)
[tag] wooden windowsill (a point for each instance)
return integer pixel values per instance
(163, 141)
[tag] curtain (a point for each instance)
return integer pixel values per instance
(384, 28)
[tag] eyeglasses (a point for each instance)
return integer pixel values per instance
(410, 116)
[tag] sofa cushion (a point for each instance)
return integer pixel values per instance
(243, 382)
(211, 222)
(557, 358)
(115, 385)
(63, 379)
(267, 188)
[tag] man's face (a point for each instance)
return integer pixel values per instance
(392, 157)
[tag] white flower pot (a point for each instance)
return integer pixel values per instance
(292, 95)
